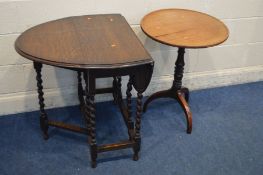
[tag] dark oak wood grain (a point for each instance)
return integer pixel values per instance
(91, 41)
(95, 46)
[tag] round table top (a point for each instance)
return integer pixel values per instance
(184, 28)
(91, 41)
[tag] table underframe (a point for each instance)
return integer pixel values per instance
(177, 92)
(87, 106)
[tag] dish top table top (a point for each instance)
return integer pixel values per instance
(91, 41)
(184, 28)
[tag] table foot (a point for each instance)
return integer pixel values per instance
(93, 164)
(136, 149)
(135, 156)
(181, 97)
(44, 125)
(161, 94)
(45, 136)
(165, 94)
(93, 153)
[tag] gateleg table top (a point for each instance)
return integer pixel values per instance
(89, 42)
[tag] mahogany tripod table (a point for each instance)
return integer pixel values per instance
(183, 29)
(96, 46)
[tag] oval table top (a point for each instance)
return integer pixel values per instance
(184, 28)
(91, 41)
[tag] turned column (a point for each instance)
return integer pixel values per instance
(43, 114)
(179, 70)
(129, 106)
(137, 136)
(90, 115)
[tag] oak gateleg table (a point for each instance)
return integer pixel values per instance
(183, 29)
(95, 46)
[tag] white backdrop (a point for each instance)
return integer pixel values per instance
(238, 60)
